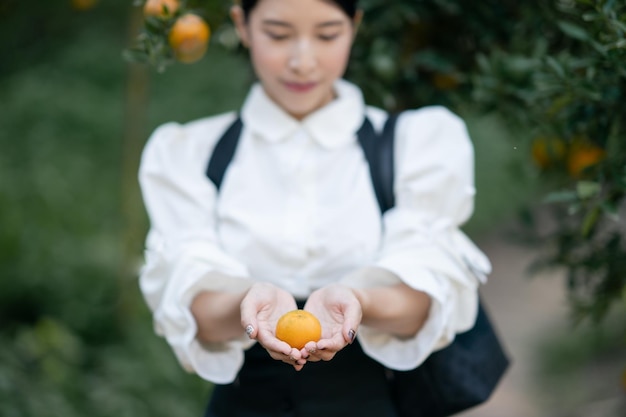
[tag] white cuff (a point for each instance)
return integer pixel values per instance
(170, 286)
(400, 353)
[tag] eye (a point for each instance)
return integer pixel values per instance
(327, 37)
(277, 36)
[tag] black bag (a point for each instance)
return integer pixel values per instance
(453, 379)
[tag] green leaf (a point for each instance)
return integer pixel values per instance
(432, 60)
(559, 104)
(134, 55)
(590, 220)
(566, 196)
(574, 31)
(608, 6)
(619, 25)
(483, 63)
(611, 210)
(587, 189)
(621, 44)
(591, 16)
(157, 26)
(556, 66)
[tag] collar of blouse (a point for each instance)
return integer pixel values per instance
(332, 126)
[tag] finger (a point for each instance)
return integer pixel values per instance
(334, 343)
(249, 321)
(326, 349)
(349, 335)
(309, 352)
(310, 347)
(316, 357)
(272, 344)
(352, 319)
(296, 361)
(250, 331)
(322, 355)
(297, 364)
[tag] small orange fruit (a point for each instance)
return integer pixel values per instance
(160, 8)
(583, 154)
(83, 4)
(189, 38)
(547, 150)
(298, 327)
(445, 81)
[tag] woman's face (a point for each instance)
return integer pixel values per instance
(298, 49)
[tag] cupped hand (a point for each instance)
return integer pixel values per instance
(339, 311)
(261, 308)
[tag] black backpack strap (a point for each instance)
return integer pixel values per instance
(379, 150)
(223, 153)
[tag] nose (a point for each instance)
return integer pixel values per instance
(303, 58)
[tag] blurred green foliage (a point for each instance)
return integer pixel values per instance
(68, 347)
(569, 86)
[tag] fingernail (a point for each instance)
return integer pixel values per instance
(351, 335)
(249, 329)
(311, 350)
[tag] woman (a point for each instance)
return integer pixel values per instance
(296, 224)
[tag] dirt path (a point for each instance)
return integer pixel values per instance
(523, 309)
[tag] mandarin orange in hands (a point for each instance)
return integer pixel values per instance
(160, 8)
(298, 327)
(189, 38)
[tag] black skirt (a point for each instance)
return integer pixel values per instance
(350, 385)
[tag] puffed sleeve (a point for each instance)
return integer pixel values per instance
(182, 253)
(422, 243)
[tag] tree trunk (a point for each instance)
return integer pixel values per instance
(132, 217)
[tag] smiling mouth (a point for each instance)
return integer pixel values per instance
(300, 87)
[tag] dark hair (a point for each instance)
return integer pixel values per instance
(348, 6)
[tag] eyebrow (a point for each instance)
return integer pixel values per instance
(330, 23)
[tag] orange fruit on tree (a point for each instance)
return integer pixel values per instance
(298, 327)
(160, 8)
(445, 81)
(547, 150)
(583, 154)
(189, 38)
(83, 4)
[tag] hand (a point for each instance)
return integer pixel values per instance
(339, 311)
(260, 310)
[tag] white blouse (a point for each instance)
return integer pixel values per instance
(297, 209)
